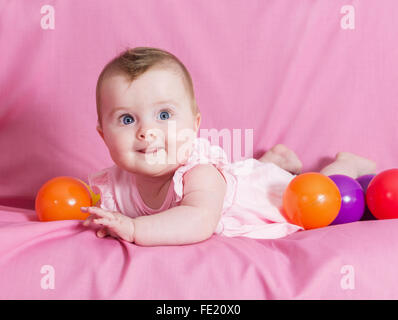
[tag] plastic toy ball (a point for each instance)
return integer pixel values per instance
(311, 200)
(94, 196)
(352, 199)
(364, 182)
(61, 198)
(382, 195)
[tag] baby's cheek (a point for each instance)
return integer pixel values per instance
(171, 153)
(122, 156)
(184, 150)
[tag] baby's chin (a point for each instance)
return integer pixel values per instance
(150, 169)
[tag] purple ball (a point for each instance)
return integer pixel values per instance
(364, 182)
(352, 199)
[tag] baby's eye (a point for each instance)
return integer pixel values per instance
(127, 119)
(164, 115)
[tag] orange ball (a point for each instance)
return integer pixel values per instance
(61, 198)
(311, 200)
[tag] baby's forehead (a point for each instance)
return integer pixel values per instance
(117, 79)
(161, 84)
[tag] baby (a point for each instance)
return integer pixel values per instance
(169, 190)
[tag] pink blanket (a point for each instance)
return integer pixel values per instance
(63, 260)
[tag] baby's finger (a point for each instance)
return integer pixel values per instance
(102, 222)
(98, 212)
(88, 221)
(103, 232)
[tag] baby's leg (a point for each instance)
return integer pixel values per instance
(284, 158)
(351, 165)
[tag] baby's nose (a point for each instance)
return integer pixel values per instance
(149, 134)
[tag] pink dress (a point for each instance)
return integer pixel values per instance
(252, 202)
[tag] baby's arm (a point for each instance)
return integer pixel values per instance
(194, 220)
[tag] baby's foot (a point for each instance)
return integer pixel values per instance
(284, 158)
(363, 165)
(351, 165)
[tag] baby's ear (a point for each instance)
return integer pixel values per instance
(99, 130)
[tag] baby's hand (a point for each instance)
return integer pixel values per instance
(114, 224)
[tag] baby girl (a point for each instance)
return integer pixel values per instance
(165, 190)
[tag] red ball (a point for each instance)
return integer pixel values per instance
(382, 195)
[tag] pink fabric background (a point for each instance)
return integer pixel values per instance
(285, 69)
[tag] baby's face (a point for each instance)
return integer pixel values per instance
(144, 115)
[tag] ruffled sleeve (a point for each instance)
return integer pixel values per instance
(202, 153)
(101, 182)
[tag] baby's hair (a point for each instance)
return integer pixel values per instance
(134, 62)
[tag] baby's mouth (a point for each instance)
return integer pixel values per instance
(150, 150)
